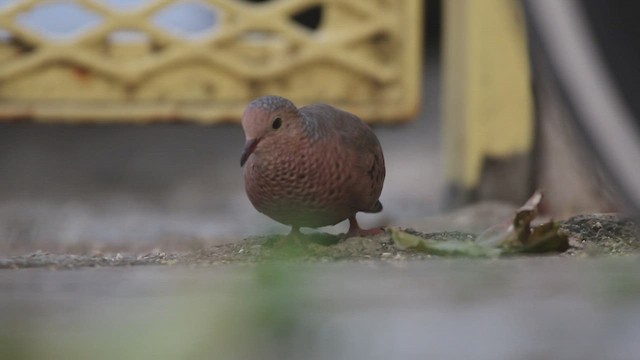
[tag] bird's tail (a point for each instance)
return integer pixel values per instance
(376, 208)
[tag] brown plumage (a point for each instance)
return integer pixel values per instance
(310, 167)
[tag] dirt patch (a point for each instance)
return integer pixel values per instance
(70, 261)
(598, 234)
(602, 234)
(315, 247)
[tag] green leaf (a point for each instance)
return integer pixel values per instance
(454, 246)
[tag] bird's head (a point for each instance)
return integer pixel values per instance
(265, 118)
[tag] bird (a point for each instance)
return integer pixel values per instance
(311, 166)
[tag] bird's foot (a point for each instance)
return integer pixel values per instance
(287, 241)
(356, 231)
(365, 232)
(295, 239)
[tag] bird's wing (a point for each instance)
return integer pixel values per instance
(325, 120)
(357, 138)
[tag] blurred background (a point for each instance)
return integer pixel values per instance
(119, 119)
(119, 132)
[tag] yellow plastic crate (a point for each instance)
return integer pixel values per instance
(129, 61)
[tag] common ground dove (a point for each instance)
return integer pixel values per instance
(310, 167)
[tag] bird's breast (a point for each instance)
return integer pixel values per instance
(297, 182)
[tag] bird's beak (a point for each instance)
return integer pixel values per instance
(249, 147)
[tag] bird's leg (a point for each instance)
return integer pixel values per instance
(294, 233)
(356, 230)
(294, 238)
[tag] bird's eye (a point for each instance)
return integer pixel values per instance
(277, 122)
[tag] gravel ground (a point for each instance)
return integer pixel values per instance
(524, 308)
(599, 234)
(330, 298)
